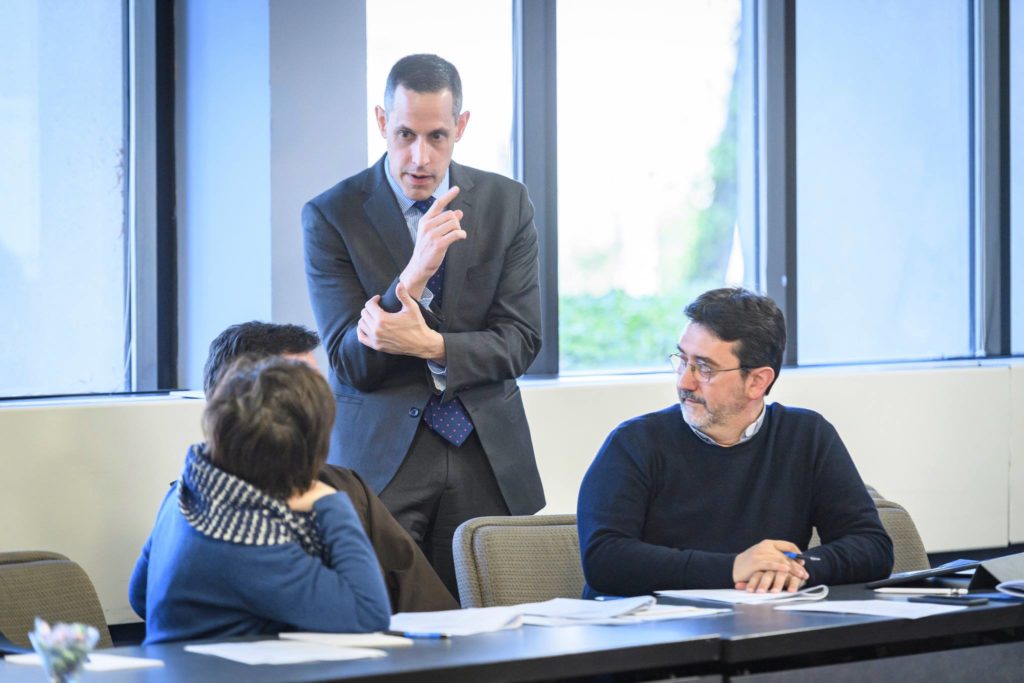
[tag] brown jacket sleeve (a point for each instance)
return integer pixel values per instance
(412, 583)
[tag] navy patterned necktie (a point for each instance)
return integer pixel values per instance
(450, 419)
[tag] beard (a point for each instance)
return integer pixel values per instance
(699, 415)
(695, 410)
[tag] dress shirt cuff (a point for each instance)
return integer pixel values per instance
(440, 375)
(426, 298)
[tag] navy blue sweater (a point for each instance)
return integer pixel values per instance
(660, 509)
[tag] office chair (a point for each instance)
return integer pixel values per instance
(47, 585)
(511, 560)
(908, 549)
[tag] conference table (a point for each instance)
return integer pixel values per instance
(751, 643)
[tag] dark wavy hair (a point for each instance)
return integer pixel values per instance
(269, 422)
(752, 321)
(257, 339)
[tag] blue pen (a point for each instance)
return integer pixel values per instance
(418, 635)
(800, 556)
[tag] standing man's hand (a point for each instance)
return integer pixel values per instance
(438, 229)
(403, 333)
(763, 567)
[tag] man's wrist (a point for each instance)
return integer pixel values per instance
(435, 349)
(414, 283)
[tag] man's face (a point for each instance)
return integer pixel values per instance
(722, 400)
(421, 131)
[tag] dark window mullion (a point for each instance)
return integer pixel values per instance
(535, 146)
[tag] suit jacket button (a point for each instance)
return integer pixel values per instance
(414, 412)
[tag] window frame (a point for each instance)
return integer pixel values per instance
(775, 172)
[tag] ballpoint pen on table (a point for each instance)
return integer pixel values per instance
(423, 635)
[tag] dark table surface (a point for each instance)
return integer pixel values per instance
(750, 633)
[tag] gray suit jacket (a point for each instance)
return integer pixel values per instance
(356, 245)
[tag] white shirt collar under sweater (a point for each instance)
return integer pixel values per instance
(748, 433)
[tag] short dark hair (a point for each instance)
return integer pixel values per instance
(269, 422)
(424, 74)
(751, 320)
(257, 339)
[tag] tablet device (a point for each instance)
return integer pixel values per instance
(922, 575)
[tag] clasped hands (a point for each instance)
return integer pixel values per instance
(763, 568)
(405, 332)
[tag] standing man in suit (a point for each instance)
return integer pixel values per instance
(423, 277)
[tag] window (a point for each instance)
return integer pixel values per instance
(62, 197)
(883, 180)
(474, 36)
(650, 173)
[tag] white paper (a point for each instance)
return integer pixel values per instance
(1014, 588)
(666, 612)
(571, 608)
(456, 622)
(349, 639)
(738, 597)
(97, 661)
(282, 652)
(876, 608)
(652, 613)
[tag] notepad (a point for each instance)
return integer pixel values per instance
(573, 608)
(652, 613)
(456, 622)
(737, 597)
(348, 639)
(282, 652)
(97, 661)
(878, 608)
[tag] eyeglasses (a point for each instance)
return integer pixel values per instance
(702, 372)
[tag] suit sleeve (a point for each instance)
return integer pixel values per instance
(511, 339)
(346, 594)
(611, 514)
(338, 297)
(412, 584)
(854, 545)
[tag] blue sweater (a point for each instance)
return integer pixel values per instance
(661, 509)
(190, 586)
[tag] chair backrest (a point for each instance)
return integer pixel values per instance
(511, 560)
(908, 549)
(47, 585)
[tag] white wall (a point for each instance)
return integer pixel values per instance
(86, 479)
(271, 111)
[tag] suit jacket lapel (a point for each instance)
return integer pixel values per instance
(384, 215)
(457, 259)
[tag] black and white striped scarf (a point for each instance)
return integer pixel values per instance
(223, 507)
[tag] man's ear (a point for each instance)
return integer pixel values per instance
(460, 125)
(758, 381)
(382, 121)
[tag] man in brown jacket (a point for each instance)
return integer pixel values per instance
(412, 583)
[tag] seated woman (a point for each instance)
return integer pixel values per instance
(248, 542)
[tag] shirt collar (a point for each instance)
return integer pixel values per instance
(748, 433)
(404, 203)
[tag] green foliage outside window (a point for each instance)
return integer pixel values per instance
(618, 331)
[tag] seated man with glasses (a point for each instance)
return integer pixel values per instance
(715, 497)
